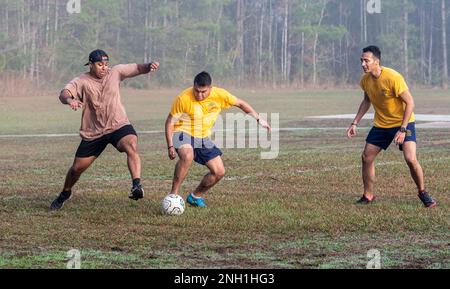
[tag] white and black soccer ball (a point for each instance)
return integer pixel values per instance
(173, 205)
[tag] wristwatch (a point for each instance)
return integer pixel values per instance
(403, 129)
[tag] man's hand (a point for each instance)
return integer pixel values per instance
(351, 130)
(172, 153)
(154, 66)
(265, 124)
(399, 138)
(245, 107)
(75, 104)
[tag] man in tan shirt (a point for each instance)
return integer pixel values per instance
(104, 120)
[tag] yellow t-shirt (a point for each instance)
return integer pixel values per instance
(384, 95)
(197, 118)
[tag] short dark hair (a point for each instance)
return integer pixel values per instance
(202, 79)
(374, 49)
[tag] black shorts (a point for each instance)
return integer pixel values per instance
(383, 137)
(204, 149)
(97, 146)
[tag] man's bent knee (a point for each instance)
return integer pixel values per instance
(186, 159)
(80, 165)
(366, 159)
(130, 147)
(128, 144)
(77, 170)
(186, 154)
(412, 162)
(219, 173)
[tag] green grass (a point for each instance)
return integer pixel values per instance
(296, 211)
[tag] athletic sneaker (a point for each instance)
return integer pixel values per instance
(137, 192)
(196, 202)
(427, 200)
(364, 200)
(59, 201)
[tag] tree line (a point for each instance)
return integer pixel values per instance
(263, 43)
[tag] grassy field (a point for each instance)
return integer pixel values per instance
(296, 211)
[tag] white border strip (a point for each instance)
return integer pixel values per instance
(50, 135)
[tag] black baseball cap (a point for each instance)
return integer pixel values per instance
(97, 55)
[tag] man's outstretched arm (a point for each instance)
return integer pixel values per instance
(148, 67)
(248, 109)
(134, 69)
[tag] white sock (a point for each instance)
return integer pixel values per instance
(194, 196)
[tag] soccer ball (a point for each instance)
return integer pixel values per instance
(173, 205)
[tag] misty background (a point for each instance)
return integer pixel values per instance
(244, 43)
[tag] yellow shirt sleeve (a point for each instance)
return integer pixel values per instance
(227, 99)
(400, 85)
(361, 83)
(177, 108)
(75, 88)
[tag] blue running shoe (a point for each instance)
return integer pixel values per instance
(196, 202)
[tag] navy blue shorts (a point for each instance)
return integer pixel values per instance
(204, 149)
(97, 146)
(382, 137)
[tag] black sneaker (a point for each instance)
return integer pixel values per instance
(137, 192)
(364, 200)
(427, 200)
(59, 201)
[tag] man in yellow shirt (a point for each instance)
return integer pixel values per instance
(188, 128)
(387, 91)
